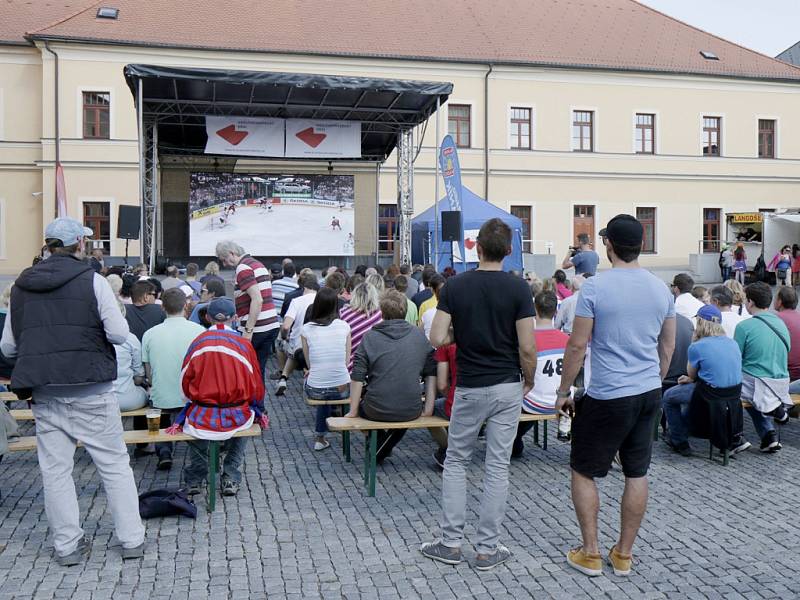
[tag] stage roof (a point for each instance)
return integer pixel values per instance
(178, 100)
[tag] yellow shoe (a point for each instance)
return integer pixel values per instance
(620, 562)
(588, 564)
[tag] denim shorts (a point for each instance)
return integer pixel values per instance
(329, 393)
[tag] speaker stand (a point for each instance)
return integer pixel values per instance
(126, 251)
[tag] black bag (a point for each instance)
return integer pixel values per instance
(166, 503)
(715, 414)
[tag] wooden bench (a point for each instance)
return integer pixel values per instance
(142, 436)
(346, 425)
(26, 414)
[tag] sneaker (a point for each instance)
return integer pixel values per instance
(164, 463)
(588, 564)
(621, 563)
(323, 445)
(275, 376)
(438, 551)
(518, 448)
(439, 456)
(229, 488)
(780, 415)
(684, 449)
(133, 553)
(76, 556)
(281, 389)
(191, 489)
(739, 445)
(501, 555)
(770, 442)
(564, 436)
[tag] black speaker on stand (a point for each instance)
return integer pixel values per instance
(129, 220)
(451, 229)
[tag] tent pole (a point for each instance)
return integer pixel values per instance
(435, 260)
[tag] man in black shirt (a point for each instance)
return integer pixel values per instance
(491, 314)
(143, 313)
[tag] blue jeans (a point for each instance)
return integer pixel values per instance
(762, 424)
(263, 345)
(676, 409)
(323, 412)
(197, 469)
(794, 387)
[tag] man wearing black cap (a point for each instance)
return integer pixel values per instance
(630, 317)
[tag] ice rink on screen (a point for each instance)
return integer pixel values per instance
(289, 230)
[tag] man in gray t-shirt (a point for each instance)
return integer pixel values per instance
(629, 315)
(583, 259)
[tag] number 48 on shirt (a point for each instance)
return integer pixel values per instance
(553, 367)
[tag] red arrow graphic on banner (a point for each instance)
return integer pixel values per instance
(469, 244)
(230, 135)
(307, 136)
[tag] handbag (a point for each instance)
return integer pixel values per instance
(166, 503)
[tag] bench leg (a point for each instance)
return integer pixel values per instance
(536, 432)
(710, 450)
(366, 458)
(213, 467)
(544, 438)
(725, 458)
(346, 445)
(373, 451)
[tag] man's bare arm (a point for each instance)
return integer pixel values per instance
(666, 345)
(441, 330)
(526, 338)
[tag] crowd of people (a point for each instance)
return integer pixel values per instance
(603, 352)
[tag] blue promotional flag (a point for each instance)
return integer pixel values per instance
(451, 171)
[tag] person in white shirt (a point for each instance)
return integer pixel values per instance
(566, 311)
(722, 298)
(293, 325)
(130, 375)
(326, 345)
(685, 304)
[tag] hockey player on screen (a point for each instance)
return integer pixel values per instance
(335, 224)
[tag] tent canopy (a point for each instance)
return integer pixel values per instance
(475, 211)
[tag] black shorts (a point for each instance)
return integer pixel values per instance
(601, 428)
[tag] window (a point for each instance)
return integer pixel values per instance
(96, 115)
(97, 216)
(387, 228)
(523, 213)
(645, 134)
(647, 217)
(458, 124)
(712, 146)
(520, 130)
(583, 221)
(711, 229)
(766, 138)
(582, 131)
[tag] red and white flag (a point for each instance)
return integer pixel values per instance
(61, 192)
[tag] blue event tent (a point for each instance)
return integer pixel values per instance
(475, 211)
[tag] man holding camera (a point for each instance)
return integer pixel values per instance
(582, 257)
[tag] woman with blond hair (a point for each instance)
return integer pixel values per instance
(739, 305)
(212, 272)
(714, 371)
(362, 314)
(377, 282)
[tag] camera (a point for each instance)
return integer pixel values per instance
(573, 250)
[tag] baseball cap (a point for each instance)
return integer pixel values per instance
(276, 269)
(624, 230)
(221, 309)
(709, 312)
(68, 231)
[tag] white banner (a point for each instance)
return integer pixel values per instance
(309, 138)
(244, 136)
(470, 247)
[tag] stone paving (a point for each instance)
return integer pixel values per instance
(303, 528)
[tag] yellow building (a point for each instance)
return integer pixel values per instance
(565, 113)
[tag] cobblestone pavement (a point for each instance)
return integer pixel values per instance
(302, 527)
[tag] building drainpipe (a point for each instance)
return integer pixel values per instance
(58, 130)
(486, 133)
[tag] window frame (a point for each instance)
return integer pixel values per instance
(711, 246)
(592, 129)
(95, 89)
(774, 120)
(511, 122)
(527, 244)
(107, 244)
(467, 119)
(704, 131)
(389, 248)
(656, 209)
(637, 148)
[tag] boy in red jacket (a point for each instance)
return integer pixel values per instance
(222, 382)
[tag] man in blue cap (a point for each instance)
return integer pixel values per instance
(62, 323)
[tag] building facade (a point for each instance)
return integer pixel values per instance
(563, 147)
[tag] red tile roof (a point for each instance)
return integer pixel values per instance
(608, 34)
(17, 17)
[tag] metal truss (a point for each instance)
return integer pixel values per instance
(148, 185)
(405, 190)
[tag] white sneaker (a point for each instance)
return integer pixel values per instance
(321, 445)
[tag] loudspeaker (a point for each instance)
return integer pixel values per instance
(451, 225)
(128, 222)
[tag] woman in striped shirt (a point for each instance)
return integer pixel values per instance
(362, 314)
